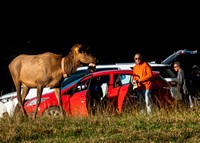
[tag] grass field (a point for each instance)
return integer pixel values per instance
(176, 125)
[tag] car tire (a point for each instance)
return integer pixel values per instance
(52, 112)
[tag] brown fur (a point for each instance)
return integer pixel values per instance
(44, 70)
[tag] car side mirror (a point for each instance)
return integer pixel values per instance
(70, 92)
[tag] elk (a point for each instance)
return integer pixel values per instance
(45, 70)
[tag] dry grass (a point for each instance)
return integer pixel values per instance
(179, 124)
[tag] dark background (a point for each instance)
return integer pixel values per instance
(106, 50)
(115, 33)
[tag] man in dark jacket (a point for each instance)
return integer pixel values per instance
(91, 69)
(195, 83)
(182, 82)
(95, 89)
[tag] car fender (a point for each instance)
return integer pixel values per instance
(10, 106)
(2, 109)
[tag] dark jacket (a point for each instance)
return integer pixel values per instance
(89, 70)
(183, 82)
(195, 84)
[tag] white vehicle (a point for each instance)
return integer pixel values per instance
(9, 101)
(8, 106)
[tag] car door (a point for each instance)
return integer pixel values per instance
(78, 101)
(121, 88)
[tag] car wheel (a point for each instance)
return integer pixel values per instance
(52, 112)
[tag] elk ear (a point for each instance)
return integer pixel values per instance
(76, 50)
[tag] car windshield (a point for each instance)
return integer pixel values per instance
(68, 85)
(80, 73)
(73, 77)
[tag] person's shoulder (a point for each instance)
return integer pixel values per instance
(146, 64)
(135, 65)
(181, 71)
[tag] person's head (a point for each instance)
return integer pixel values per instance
(138, 58)
(195, 69)
(177, 66)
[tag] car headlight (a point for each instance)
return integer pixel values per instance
(5, 100)
(33, 102)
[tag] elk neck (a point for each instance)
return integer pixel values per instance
(63, 68)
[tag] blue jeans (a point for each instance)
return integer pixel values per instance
(145, 94)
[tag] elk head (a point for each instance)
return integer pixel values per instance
(83, 56)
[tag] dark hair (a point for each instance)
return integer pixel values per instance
(178, 64)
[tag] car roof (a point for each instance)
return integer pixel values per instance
(150, 63)
(100, 66)
(118, 65)
(111, 72)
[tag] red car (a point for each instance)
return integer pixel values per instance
(115, 85)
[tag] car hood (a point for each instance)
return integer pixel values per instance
(32, 93)
(9, 95)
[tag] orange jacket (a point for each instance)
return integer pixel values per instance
(145, 75)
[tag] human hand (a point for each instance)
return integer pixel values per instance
(133, 82)
(138, 81)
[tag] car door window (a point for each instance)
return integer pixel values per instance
(122, 79)
(82, 85)
(73, 77)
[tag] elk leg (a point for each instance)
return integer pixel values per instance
(19, 98)
(39, 93)
(24, 93)
(58, 96)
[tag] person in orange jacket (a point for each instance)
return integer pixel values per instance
(143, 79)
